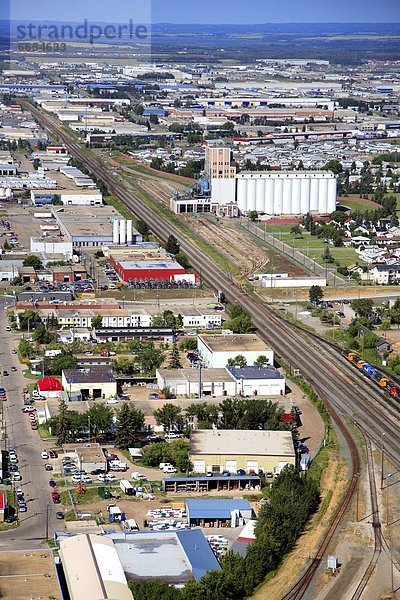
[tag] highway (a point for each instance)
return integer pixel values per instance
(337, 382)
(27, 444)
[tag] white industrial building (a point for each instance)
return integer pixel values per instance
(229, 381)
(92, 568)
(216, 350)
(287, 192)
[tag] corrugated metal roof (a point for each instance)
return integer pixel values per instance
(198, 552)
(215, 509)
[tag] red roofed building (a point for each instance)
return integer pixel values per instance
(49, 387)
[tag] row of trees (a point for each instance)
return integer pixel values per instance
(125, 423)
(231, 413)
(291, 502)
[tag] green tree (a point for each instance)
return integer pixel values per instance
(97, 321)
(172, 246)
(180, 454)
(168, 415)
(33, 261)
(295, 230)
(42, 335)
(174, 358)
(327, 256)
(315, 294)
(238, 361)
(363, 307)
(252, 215)
(129, 422)
(156, 453)
(182, 259)
(207, 414)
(63, 426)
(123, 364)
(231, 411)
(101, 419)
(334, 165)
(241, 324)
(261, 361)
(62, 362)
(25, 349)
(188, 343)
(149, 358)
(29, 319)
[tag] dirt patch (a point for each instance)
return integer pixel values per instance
(334, 483)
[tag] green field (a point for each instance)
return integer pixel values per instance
(312, 246)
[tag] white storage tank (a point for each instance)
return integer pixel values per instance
(115, 231)
(122, 232)
(129, 234)
(278, 196)
(305, 195)
(296, 196)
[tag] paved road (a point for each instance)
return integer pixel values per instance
(26, 442)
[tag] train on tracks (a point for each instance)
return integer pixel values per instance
(374, 374)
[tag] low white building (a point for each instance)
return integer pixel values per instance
(198, 318)
(186, 382)
(230, 381)
(270, 281)
(52, 245)
(216, 350)
(256, 381)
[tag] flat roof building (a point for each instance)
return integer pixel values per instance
(92, 568)
(19, 574)
(170, 556)
(93, 225)
(216, 350)
(217, 450)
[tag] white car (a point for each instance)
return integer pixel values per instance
(172, 436)
(169, 469)
(138, 476)
(77, 478)
(45, 455)
(112, 401)
(87, 479)
(111, 478)
(8, 328)
(16, 476)
(101, 477)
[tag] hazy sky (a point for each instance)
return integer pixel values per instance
(210, 11)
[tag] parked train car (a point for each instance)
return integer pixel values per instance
(373, 373)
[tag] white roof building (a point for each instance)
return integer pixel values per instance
(92, 568)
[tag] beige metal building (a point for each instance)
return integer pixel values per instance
(92, 568)
(220, 450)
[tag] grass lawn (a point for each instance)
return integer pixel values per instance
(313, 246)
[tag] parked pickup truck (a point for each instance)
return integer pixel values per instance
(117, 465)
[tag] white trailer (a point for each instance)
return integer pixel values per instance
(126, 487)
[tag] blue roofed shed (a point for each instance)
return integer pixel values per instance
(217, 512)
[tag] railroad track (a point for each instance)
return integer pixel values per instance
(376, 524)
(332, 378)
